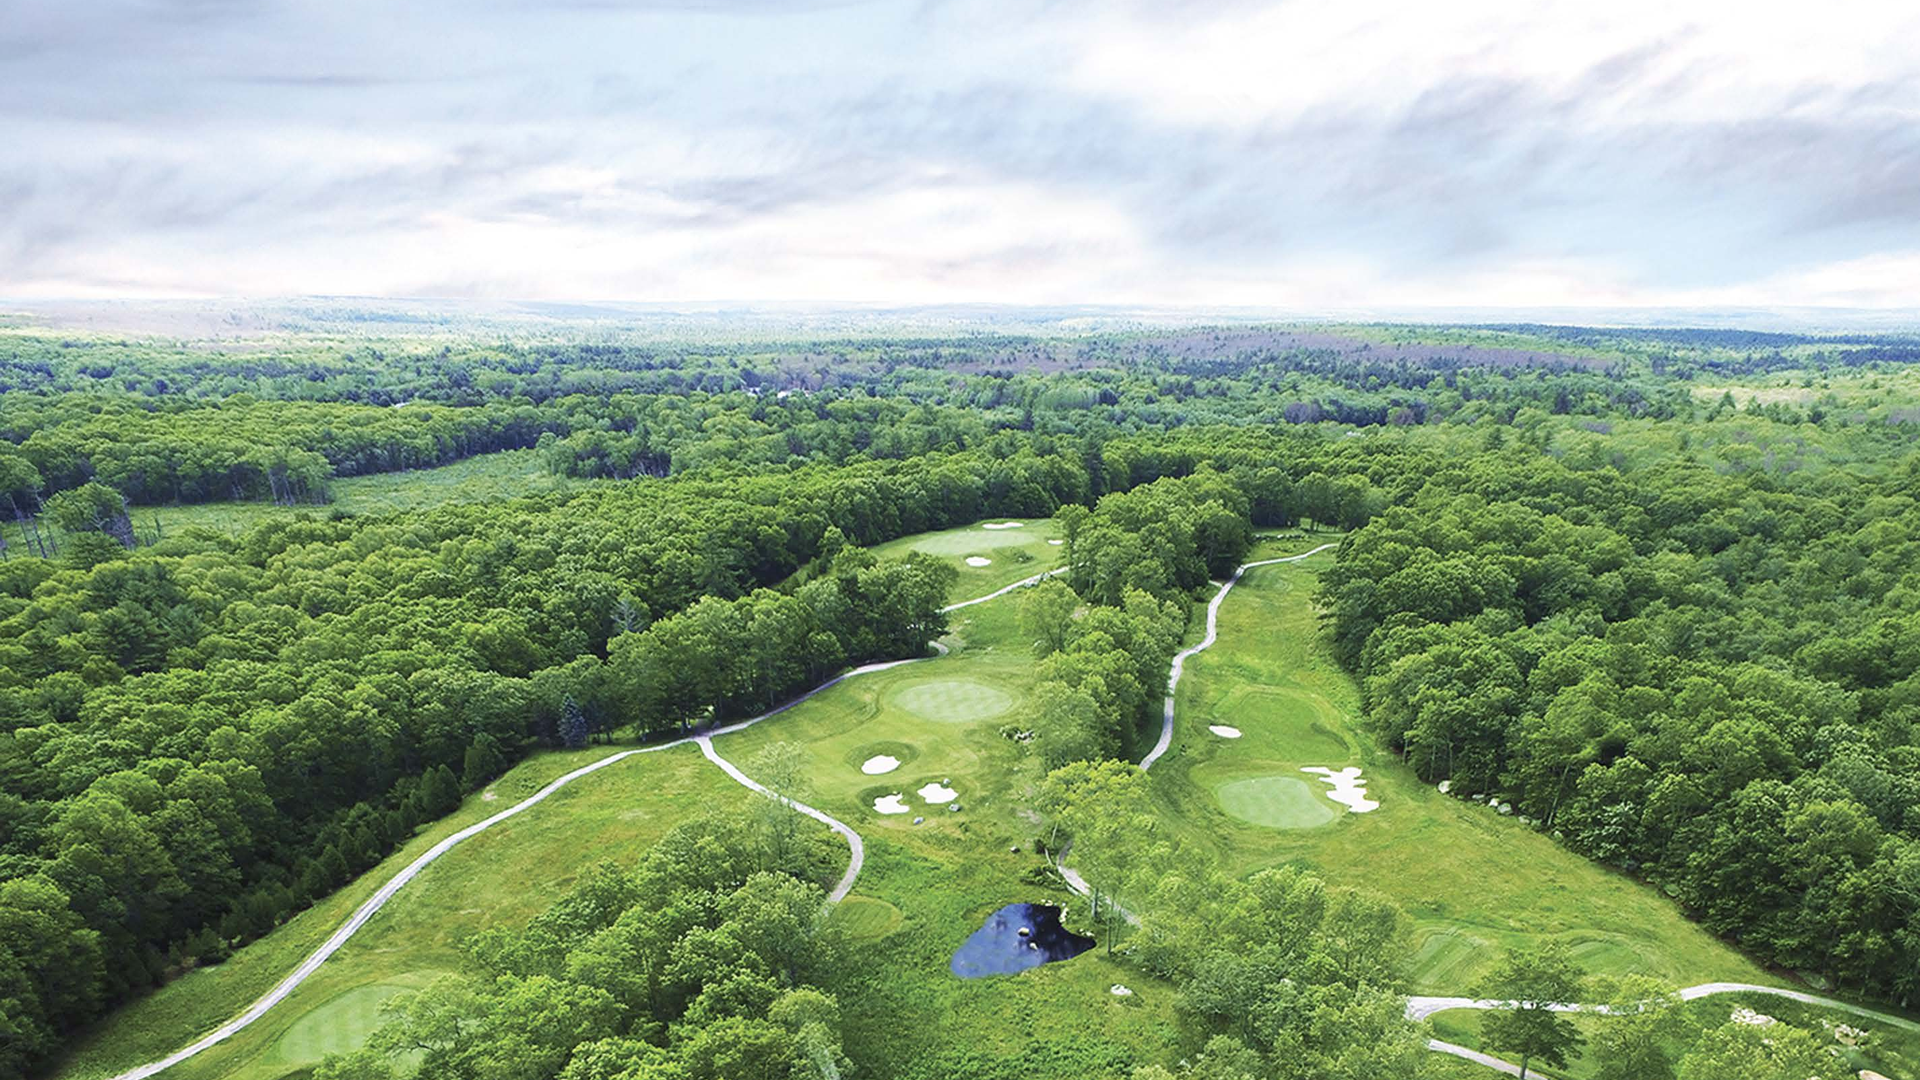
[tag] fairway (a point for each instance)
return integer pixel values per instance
(1471, 881)
(1275, 802)
(1011, 554)
(953, 700)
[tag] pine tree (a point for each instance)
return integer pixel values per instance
(573, 724)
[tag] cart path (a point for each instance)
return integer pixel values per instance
(1213, 628)
(1420, 1008)
(386, 892)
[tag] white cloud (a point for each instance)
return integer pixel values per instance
(1310, 153)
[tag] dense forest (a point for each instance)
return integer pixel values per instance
(1675, 629)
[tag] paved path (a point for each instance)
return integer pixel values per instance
(1213, 627)
(998, 593)
(386, 892)
(1420, 1008)
(854, 842)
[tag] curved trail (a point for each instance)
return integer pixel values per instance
(379, 899)
(1213, 631)
(1420, 1008)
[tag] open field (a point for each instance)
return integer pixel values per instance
(1471, 881)
(481, 478)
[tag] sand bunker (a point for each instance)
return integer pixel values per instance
(938, 793)
(881, 763)
(1056, 543)
(979, 560)
(1225, 731)
(1004, 525)
(891, 804)
(1349, 790)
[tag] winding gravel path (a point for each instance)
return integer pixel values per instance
(1213, 629)
(704, 741)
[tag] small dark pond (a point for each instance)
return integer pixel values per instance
(1015, 938)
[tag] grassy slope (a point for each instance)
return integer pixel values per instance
(1470, 880)
(501, 877)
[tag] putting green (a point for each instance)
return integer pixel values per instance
(1277, 802)
(339, 1025)
(953, 700)
(866, 918)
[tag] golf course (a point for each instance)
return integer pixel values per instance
(916, 763)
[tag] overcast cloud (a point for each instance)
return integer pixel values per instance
(1302, 155)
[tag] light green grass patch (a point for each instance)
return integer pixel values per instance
(1274, 802)
(340, 1025)
(866, 918)
(1014, 554)
(1303, 723)
(953, 700)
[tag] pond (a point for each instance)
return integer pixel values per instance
(1015, 938)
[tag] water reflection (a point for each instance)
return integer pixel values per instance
(1015, 938)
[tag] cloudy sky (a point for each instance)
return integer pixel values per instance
(1309, 154)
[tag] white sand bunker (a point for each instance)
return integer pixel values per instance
(979, 560)
(1225, 731)
(1118, 990)
(891, 804)
(1004, 525)
(1349, 790)
(880, 763)
(1056, 543)
(938, 793)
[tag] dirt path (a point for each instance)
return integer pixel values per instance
(386, 892)
(1213, 629)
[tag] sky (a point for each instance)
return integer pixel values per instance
(1302, 156)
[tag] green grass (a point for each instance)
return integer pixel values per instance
(864, 918)
(1276, 802)
(503, 876)
(952, 700)
(1471, 881)
(339, 1026)
(1014, 553)
(1888, 1050)
(482, 478)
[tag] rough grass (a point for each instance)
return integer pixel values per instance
(1472, 882)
